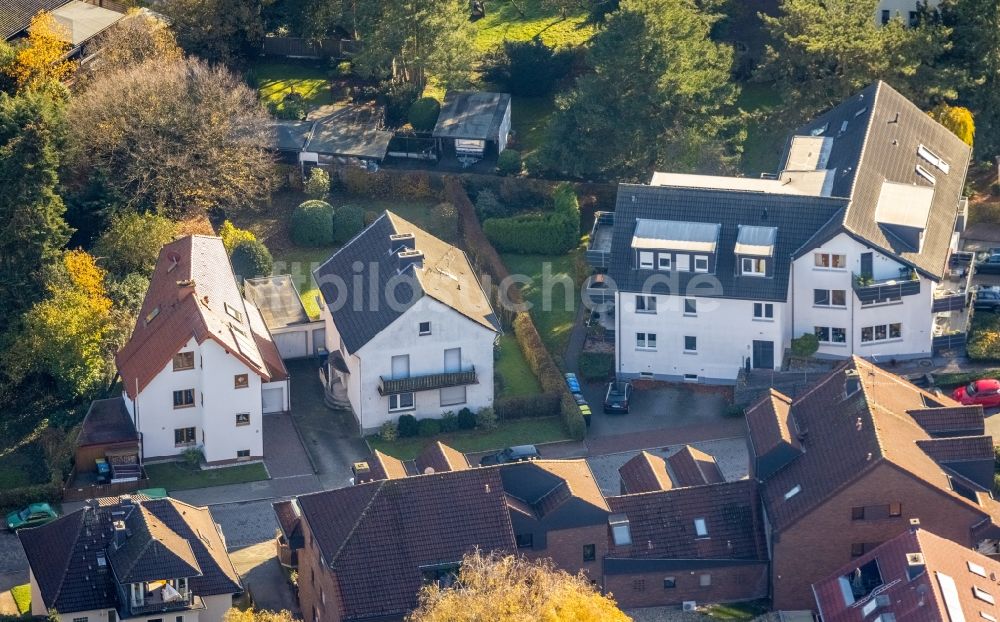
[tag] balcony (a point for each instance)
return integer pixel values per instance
(598, 254)
(426, 382)
(870, 291)
(155, 604)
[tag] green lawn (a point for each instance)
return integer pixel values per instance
(513, 370)
(736, 612)
(552, 318)
(22, 597)
(530, 119)
(518, 432)
(179, 476)
(504, 21)
(276, 80)
(762, 148)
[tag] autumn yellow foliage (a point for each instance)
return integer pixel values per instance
(232, 235)
(506, 588)
(957, 119)
(41, 59)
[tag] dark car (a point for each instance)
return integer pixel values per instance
(989, 265)
(617, 397)
(988, 298)
(518, 453)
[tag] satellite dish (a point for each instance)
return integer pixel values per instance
(428, 470)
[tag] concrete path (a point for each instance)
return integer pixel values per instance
(264, 578)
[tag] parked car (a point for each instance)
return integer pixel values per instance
(617, 397)
(32, 516)
(989, 265)
(988, 298)
(518, 453)
(985, 392)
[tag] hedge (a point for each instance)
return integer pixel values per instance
(348, 221)
(596, 366)
(17, 498)
(527, 406)
(312, 223)
(983, 343)
(251, 259)
(542, 233)
(424, 114)
(509, 162)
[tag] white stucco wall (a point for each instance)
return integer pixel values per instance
(900, 8)
(725, 330)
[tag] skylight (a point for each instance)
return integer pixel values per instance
(233, 312)
(794, 491)
(976, 569)
(620, 531)
(152, 315)
(700, 527)
(986, 616)
(860, 582)
(983, 595)
(935, 160)
(952, 602)
(926, 174)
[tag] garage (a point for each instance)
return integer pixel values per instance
(294, 333)
(273, 400)
(291, 345)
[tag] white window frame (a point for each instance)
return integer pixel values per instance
(245, 417)
(829, 260)
(700, 528)
(395, 398)
(700, 258)
(695, 350)
(694, 302)
(645, 341)
(421, 332)
(664, 261)
(645, 304)
(888, 333)
(763, 307)
(753, 264)
(646, 259)
(683, 262)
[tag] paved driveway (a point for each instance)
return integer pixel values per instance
(656, 409)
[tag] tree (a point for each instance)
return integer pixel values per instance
(826, 50)
(257, 615)
(32, 229)
(232, 235)
(132, 242)
(251, 259)
(132, 41)
(527, 68)
(957, 119)
(217, 30)
(657, 78)
(317, 184)
(41, 59)
(173, 136)
(505, 588)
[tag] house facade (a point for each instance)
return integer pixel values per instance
(409, 329)
(200, 369)
(849, 242)
(134, 559)
(906, 10)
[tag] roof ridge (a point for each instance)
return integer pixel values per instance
(64, 572)
(348, 243)
(357, 521)
(864, 148)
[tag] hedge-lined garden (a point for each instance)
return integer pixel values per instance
(552, 232)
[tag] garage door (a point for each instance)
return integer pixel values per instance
(319, 340)
(291, 345)
(274, 400)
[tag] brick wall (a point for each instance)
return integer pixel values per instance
(820, 543)
(565, 548)
(316, 584)
(725, 584)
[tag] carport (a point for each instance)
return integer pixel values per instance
(473, 125)
(294, 333)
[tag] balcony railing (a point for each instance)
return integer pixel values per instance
(948, 302)
(187, 601)
(871, 291)
(598, 253)
(426, 382)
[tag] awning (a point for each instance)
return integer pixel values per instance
(756, 241)
(676, 235)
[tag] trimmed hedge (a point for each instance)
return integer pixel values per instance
(983, 343)
(424, 114)
(348, 221)
(408, 426)
(17, 498)
(251, 259)
(509, 162)
(312, 224)
(550, 233)
(428, 428)
(527, 406)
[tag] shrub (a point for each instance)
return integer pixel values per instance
(527, 68)
(348, 221)
(251, 259)
(193, 456)
(527, 406)
(362, 182)
(312, 224)
(428, 427)
(317, 185)
(984, 338)
(448, 421)
(232, 235)
(554, 232)
(596, 366)
(733, 411)
(408, 426)
(466, 419)
(424, 113)
(509, 162)
(489, 206)
(399, 97)
(370, 216)
(410, 185)
(388, 432)
(486, 419)
(806, 345)
(342, 69)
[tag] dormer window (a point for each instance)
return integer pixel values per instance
(753, 266)
(664, 261)
(620, 532)
(701, 263)
(675, 245)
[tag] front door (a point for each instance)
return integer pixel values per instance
(763, 354)
(867, 269)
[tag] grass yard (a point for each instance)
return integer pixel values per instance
(550, 313)
(276, 80)
(23, 466)
(517, 432)
(762, 148)
(515, 376)
(736, 612)
(504, 21)
(299, 262)
(180, 476)
(530, 119)
(22, 598)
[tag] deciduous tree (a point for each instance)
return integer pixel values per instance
(217, 30)
(957, 119)
(132, 41)
(505, 588)
(42, 57)
(132, 242)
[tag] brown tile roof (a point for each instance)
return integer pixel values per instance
(692, 467)
(376, 537)
(950, 419)
(63, 554)
(958, 448)
(440, 458)
(771, 423)
(846, 436)
(382, 466)
(645, 473)
(920, 597)
(179, 312)
(288, 515)
(107, 422)
(662, 524)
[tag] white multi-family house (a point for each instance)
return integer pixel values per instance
(409, 328)
(907, 10)
(200, 368)
(850, 241)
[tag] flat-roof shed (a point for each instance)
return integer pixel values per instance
(281, 308)
(348, 131)
(288, 138)
(472, 119)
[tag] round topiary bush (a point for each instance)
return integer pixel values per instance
(806, 345)
(250, 258)
(348, 221)
(424, 113)
(312, 224)
(466, 419)
(408, 426)
(509, 162)
(317, 184)
(428, 427)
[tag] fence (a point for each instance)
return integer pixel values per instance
(298, 47)
(73, 492)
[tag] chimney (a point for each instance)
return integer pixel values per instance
(405, 259)
(120, 535)
(915, 565)
(125, 500)
(402, 241)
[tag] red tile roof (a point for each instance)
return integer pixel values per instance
(645, 473)
(918, 598)
(958, 448)
(439, 458)
(950, 419)
(693, 467)
(382, 466)
(771, 424)
(191, 287)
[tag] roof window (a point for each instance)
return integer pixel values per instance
(861, 111)
(983, 595)
(988, 617)
(152, 315)
(952, 601)
(620, 531)
(794, 491)
(935, 160)
(925, 174)
(819, 131)
(233, 312)
(976, 569)
(700, 527)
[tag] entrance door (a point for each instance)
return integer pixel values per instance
(867, 269)
(763, 354)
(453, 360)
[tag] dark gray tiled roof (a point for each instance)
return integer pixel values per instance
(471, 114)
(152, 552)
(15, 15)
(880, 141)
(107, 421)
(446, 275)
(796, 217)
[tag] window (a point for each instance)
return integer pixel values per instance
(690, 343)
(242, 418)
(669, 583)
(976, 569)
(858, 513)
(589, 552)
(401, 401)
(822, 333)
(184, 398)
(830, 260)
(83, 619)
(683, 263)
(620, 532)
(895, 509)
(424, 328)
(233, 312)
(243, 453)
(763, 311)
(664, 261)
(645, 341)
(983, 595)
(646, 259)
(753, 266)
(179, 619)
(241, 381)
(701, 263)
(645, 304)
(690, 377)
(705, 580)
(152, 315)
(830, 297)
(914, 18)
(700, 528)
(794, 491)
(881, 332)
(987, 617)
(885, 16)
(183, 360)
(828, 334)
(525, 540)
(838, 335)
(184, 436)
(690, 306)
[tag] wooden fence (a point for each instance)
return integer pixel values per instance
(298, 47)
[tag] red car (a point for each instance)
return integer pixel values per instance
(985, 392)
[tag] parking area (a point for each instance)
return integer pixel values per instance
(662, 407)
